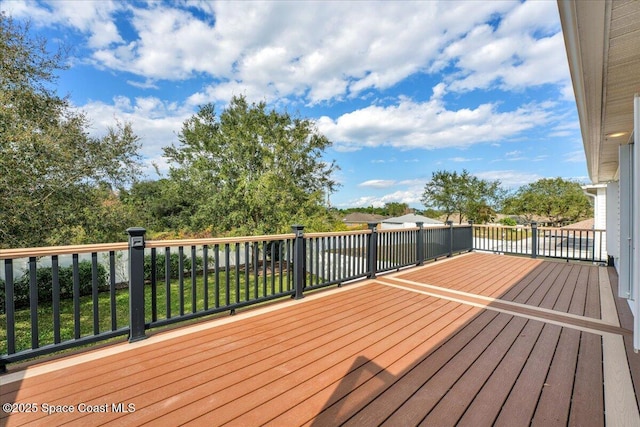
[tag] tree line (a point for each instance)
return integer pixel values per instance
(464, 197)
(246, 170)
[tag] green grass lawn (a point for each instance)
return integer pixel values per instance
(258, 286)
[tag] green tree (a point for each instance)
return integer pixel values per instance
(561, 201)
(463, 194)
(48, 162)
(161, 205)
(252, 170)
(396, 208)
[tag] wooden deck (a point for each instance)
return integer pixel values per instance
(473, 340)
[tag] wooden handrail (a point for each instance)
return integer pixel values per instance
(62, 250)
(337, 233)
(539, 228)
(123, 246)
(215, 240)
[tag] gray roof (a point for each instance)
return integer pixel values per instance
(361, 217)
(412, 218)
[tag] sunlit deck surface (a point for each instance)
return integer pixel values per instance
(473, 340)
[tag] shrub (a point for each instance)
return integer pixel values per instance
(508, 222)
(174, 265)
(44, 284)
(273, 250)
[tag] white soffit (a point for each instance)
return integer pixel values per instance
(602, 39)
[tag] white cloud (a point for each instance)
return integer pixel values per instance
(92, 18)
(156, 123)
(428, 125)
(526, 49)
(540, 158)
(575, 156)
(566, 127)
(364, 201)
(147, 84)
(320, 51)
(171, 44)
(410, 197)
(379, 161)
(378, 183)
(464, 159)
(413, 183)
(309, 53)
(509, 178)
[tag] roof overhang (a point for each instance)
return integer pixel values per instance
(602, 39)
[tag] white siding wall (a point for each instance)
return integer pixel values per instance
(600, 217)
(613, 221)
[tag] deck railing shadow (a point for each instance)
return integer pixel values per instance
(344, 396)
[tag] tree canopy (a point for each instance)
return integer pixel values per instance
(561, 201)
(252, 170)
(51, 170)
(463, 194)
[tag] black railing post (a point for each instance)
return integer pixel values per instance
(136, 284)
(298, 261)
(450, 224)
(372, 250)
(534, 239)
(420, 243)
(472, 244)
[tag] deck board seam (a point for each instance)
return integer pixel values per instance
(463, 294)
(535, 313)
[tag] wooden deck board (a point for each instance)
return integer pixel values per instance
(235, 335)
(403, 389)
(523, 397)
(592, 304)
(387, 332)
(487, 403)
(190, 376)
(588, 395)
(435, 386)
(555, 399)
(535, 283)
(383, 352)
(475, 274)
(453, 405)
(579, 298)
(365, 381)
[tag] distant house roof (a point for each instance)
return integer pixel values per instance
(587, 224)
(412, 218)
(362, 218)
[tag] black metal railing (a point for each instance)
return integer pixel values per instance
(563, 243)
(53, 299)
(56, 298)
(189, 279)
(335, 258)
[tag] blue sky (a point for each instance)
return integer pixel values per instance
(402, 88)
